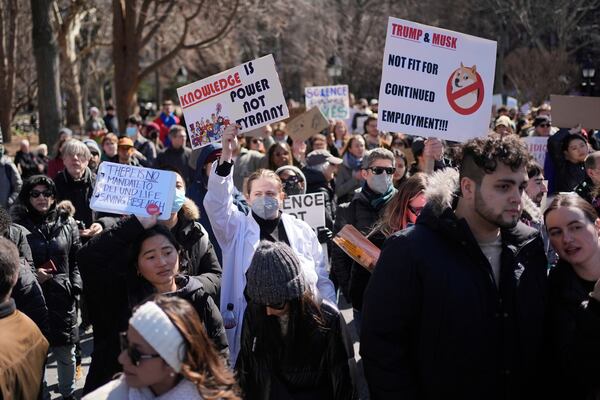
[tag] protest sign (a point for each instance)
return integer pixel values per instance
(570, 111)
(538, 147)
(309, 208)
(249, 95)
(333, 101)
(435, 82)
(305, 125)
(125, 189)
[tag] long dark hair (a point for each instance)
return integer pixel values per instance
(202, 365)
(275, 146)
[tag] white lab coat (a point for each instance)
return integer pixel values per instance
(238, 235)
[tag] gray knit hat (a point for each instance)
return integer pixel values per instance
(274, 275)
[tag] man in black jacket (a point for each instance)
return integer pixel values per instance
(456, 304)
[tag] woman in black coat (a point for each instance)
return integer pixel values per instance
(293, 346)
(54, 240)
(123, 266)
(574, 298)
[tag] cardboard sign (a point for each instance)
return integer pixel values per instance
(538, 148)
(333, 101)
(125, 189)
(435, 82)
(305, 125)
(310, 208)
(249, 95)
(570, 111)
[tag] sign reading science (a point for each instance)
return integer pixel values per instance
(435, 82)
(249, 95)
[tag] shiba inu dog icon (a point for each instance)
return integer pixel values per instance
(465, 90)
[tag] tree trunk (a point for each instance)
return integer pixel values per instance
(8, 38)
(71, 70)
(125, 58)
(45, 51)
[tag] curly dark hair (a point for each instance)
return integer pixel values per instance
(481, 156)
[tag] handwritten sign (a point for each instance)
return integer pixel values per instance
(538, 148)
(310, 208)
(333, 101)
(125, 189)
(435, 82)
(305, 125)
(249, 95)
(570, 111)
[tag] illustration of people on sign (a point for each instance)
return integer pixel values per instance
(465, 90)
(210, 129)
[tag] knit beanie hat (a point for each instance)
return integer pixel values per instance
(274, 275)
(156, 328)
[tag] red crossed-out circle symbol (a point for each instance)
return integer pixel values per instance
(153, 209)
(454, 96)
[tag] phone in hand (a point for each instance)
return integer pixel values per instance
(49, 267)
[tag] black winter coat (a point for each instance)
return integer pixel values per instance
(574, 334)
(267, 372)
(56, 238)
(78, 192)
(27, 292)
(113, 289)
(434, 324)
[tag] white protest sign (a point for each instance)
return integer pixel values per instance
(333, 101)
(435, 82)
(125, 189)
(310, 208)
(249, 95)
(538, 147)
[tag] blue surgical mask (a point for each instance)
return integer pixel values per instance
(131, 131)
(266, 207)
(178, 200)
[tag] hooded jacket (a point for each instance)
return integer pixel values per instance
(55, 238)
(435, 325)
(103, 273)
(198, 189)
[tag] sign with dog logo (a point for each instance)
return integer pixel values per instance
(435, 82)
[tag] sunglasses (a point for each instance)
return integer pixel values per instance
(416, 211)
(380, 170)
(36, 193)
(134, 355)
(544, 125)
(277, 306)
(256, 141)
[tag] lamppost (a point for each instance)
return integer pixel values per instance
(334, 68)
(588, 72)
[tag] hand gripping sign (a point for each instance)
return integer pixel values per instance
(435, 82)
(249, 95)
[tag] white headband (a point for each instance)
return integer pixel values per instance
(155, 326)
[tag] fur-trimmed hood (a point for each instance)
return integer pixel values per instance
(443, 186)
(190, 210)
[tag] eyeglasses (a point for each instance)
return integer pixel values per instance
(36, 193)
(380, 170)
(416, 211)
(277, 306)
(134, 355)
(544, 125)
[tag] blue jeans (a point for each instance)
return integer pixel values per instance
(65, 368)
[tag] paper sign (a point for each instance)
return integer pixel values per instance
(310, 208)
(435, 82)
(305, 125)
(333, 101)
(569, 111)
(125, 189)
(538, 148)
(249, 95)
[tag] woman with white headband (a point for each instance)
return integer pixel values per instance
(165, 355)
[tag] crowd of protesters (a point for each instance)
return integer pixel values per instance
(487, 285)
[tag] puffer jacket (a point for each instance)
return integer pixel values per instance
(267, 372)
(574, 332)
(106, 267)
(56, 237)
(435, 325)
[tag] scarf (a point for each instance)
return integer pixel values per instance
(378, 200)
(352, 162)
(168, 120)
(185, 390)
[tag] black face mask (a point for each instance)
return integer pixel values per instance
(291, 186)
